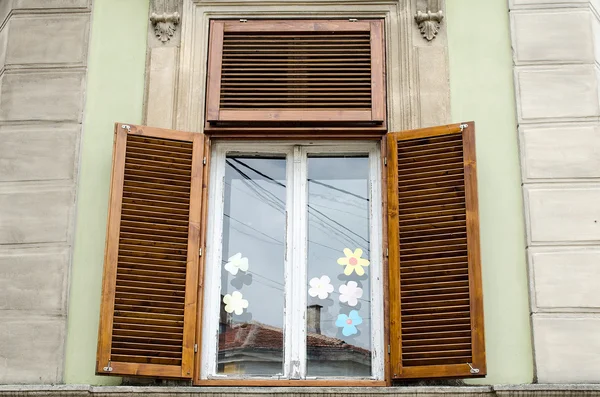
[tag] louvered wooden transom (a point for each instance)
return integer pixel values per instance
(153, 244)
(320, 70)
(434, 272)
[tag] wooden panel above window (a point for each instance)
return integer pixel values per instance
(270, 73)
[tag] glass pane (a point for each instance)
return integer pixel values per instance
(339, 288)
(252, 272)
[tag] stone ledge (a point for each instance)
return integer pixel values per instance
(536, 390)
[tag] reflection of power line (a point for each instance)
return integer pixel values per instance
(266, 278)
(253, 236)
(310, 180)
(274, 201)
(272, 197)
(283, 285)
(275, 241)
(339, 224)
(266, 235)
(311, 241)
(255, 171)
(336, 209)
(278, 204)
(338, 189)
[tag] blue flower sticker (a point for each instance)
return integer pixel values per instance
(349, 322)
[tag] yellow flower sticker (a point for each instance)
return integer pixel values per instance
(353, 262)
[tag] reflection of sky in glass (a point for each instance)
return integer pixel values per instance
(338, 216)
(254, 225)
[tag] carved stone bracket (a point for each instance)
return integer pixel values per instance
(429, 22)
(165, 25)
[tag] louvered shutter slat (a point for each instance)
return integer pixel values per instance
(151, 268)
(435, 285)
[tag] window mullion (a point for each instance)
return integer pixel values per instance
(298, 274)
(289, 260)
(213, 288)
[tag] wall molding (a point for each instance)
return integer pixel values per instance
(418, 92)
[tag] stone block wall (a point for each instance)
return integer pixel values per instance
(43, 57)
(556, 46)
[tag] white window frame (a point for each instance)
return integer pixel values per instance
(296, 153)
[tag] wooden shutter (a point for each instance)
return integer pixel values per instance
(149, 291)
(436, 301)
(296, 70)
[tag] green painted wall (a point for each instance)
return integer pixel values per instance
(115, 89)
(482, 90)
(481, 86)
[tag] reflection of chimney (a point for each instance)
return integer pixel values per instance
(223, 317)
(313, 321)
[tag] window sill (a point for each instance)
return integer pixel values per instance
(186, 391)
(531, 390)
(288, 383)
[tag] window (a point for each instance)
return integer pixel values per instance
(264, 261)
(294, 262)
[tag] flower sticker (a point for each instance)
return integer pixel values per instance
(349, 322)
(235, 303)
(350, 293)
(320, 287)
(236, 263)
(353, 262)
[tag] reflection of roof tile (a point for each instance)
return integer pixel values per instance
(256, 335)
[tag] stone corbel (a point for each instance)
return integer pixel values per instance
(165, 25)
(429, 21)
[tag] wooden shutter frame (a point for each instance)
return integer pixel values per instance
(473, 256)
(103, 364)
(377, 112)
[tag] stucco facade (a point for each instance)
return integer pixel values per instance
(43, 66)
(556, 80)
(71, 68)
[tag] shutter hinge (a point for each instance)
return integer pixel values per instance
(204, 161)
(353, 20)
(243, 20)
(195, 348)
(463, 126)
(387, 252)
(108, 368)
(385, 161)
(389, 349)
(200, 251)
(473, 370)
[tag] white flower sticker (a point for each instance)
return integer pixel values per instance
(235, 303)
(236, 263)
(350, 293)
(320, 287)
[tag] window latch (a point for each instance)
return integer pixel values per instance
(108, 368)
(473, 370)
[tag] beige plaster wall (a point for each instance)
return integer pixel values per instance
(556, 48)
(43, 58)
